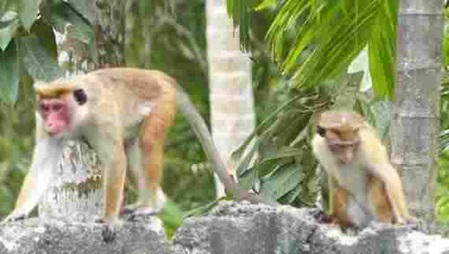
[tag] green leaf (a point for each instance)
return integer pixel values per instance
(46, 34)
(239, 11)
(28, 11)
(325, 37)
(171, 217)
(266, 4)
(9, 73)
(284, 152)
(82, 7)
(292, 195)
(65, 19)
(37, 60)
(382, 50)
(262, 127)
(6, 147)
(8, 26)
(247, 180)
(7, 5)
(285, 179)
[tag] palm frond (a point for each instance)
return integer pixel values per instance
(239, 11)
(315, 40)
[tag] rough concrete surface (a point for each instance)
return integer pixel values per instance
(231, 228)
(34, 237)
(243, 228)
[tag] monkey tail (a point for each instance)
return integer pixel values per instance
(201, 130)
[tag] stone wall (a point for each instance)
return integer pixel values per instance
(232, 228)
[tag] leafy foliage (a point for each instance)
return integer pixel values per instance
(312, 42)
(37, 61)
(443, 161)
(8, 26)
(9, 76)
(326, 37)
(277, 161)
(65, 19)
(28, 10)
(28, 45)
(16, 129)
(31, 54)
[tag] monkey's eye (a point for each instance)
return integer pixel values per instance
(56, 107)
(80, 96)
(44, 107)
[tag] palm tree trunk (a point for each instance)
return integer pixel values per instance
(76, 192)
(415, 116)
(231, 96)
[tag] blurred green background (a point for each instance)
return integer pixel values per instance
(312, 78)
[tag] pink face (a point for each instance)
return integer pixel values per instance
(56, 115)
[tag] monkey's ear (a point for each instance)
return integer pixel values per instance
(80, 96)
(321, 131)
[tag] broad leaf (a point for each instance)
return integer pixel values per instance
(65, 19)
(28, 12)
(282, 144)
(9, 73)
(7, 5)
(82, 7)
(37, 60)
(46, 34)
(8, 26)
(285, 179)
(285, 152)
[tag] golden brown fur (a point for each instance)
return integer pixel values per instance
(124, 105)
(364, 187)
(124, 114)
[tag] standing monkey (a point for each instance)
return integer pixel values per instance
(363, 185)
(123, 114)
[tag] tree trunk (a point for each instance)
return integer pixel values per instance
(231, 95)
(76, 193)
(415, 116)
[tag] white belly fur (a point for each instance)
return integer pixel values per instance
(355, 180)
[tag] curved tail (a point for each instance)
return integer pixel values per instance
(202, 132)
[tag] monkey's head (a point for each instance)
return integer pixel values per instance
(61, 107)
(340, 129)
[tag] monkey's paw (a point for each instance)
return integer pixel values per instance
(410, 222)
(321, 216)
(108, 231)
(414, 223)
(14, 216)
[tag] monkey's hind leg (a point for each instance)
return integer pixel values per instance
(151, 196)
(339, 210)
(379, 202)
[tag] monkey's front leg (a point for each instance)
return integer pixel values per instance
(45, 161)
(112, 156)
(114, 183)
(393, 190)
(110, 149)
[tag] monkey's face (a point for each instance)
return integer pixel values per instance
(56, 114)
(62, 108)
(343, 152)
(343, 149)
